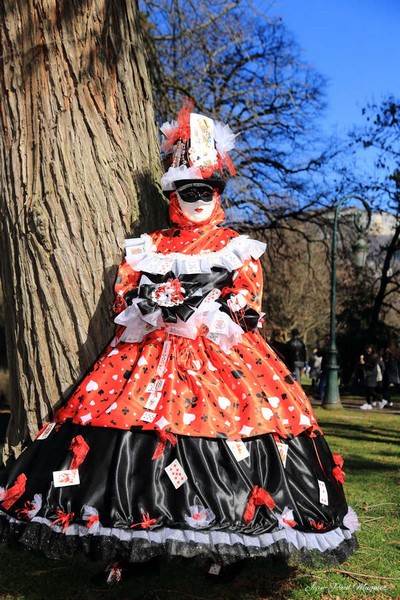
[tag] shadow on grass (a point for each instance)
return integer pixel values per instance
(361, 464)
(362, 433)
(363, 436)
(27, 576)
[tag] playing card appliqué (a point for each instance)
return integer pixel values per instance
(176, 473)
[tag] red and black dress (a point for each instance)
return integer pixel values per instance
(188, 436)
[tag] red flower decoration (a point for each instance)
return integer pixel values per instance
(22, 513)
(92, 520)
(319, 525)
(289, 522)
(169, 293)
(63, 519)
(146, 523)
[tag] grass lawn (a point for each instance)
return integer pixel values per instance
(369, 444)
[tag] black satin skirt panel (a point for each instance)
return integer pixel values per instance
(119, 478)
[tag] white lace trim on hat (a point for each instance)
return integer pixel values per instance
(176, 174)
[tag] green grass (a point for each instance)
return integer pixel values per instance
(368, 442)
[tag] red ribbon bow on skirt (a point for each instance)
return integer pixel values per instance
(258, 497)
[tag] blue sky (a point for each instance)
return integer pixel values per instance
(355, 44)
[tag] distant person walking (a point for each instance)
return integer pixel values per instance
(323, 354)
(391, 375)
(276, 342)
(314, 362)
(369, 362)
(296, 354)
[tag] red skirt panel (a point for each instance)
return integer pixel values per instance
(191, 387)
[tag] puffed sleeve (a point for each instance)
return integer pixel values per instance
(126, 282)
(242, 301)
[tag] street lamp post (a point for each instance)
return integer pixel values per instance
(331, 398)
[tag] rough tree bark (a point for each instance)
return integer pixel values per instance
(79, 170)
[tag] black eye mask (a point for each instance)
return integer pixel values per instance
(194, 194)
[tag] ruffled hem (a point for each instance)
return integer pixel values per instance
(215, 504)
(138, 546)
(141, 256)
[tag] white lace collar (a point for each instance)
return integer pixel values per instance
(141, 255)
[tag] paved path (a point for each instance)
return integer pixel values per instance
(354, 403)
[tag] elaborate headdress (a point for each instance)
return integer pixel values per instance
(196, 149)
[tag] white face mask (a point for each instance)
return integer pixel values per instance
(197, 212)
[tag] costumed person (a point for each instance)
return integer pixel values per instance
(189, 436)
(314, 362)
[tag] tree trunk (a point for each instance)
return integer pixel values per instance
(385, 279)
(79, 166)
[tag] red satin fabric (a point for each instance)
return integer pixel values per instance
(258, 497)
(14, 492)
(337, 471)
(79, 450)
(206, 392)
(164, 437)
